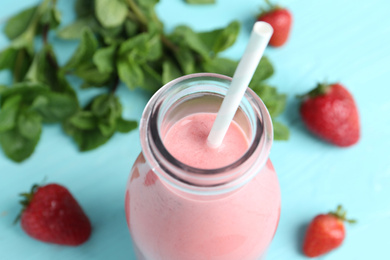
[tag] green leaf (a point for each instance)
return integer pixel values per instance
(112, 35)
(7, 58)
(33, 73)
(152, 77)
(29, 124)
(106, 106)
(281, 131)
(170, 71)
(16, 146)
(50, 16)
(221, 66)
(115, 108)
(39, 102)
(17, 60)
(184, 36)
(8, 112)
(58, 108)
(25, 41)
(104, 59)
(154, 48)
(85, 139)
(274, 101)
(84, 52)
(107, 128)
(147, 3)
(28, 91)
(141, 48)
(125, 126)
(92, 76)
(84, 120)
(19, 23)
(11, 102)
(131, 28)
(263, 71)
(130, 73)
(101, 105)
(74, 30)
(2, 89)
(186, 59)
(83, 8)
(221, 39)
(110, 13)
(44, 69)
(200, 1)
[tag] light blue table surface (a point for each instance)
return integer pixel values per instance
(333, 40)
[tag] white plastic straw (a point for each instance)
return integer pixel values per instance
(258, 41)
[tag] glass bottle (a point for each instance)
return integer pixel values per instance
(178, 212)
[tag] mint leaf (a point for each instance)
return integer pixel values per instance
(125, 126)
(200, 1)
(8, 113)
(7, 58)
(58, 107)
(221, 66)
(184, 36)
(170, 71)
(263, 71)
(16, 146)
(50, 16)
(102, 104)
(186, 59)
(130, 73)
(281, 131)
(25, 90)
(141, 48)
(29, 124)
(19, 23)
(104, 59)
(148, 3)
(84, 120)
(85, 51)
(86, 140)
(106, 127)
(74, 30)
(83, 8)
(131, 28)
(17, 60)
(92, 76)
(221, 39)
(110, 13)
(152, 76)
(39, 101)
(274, 101)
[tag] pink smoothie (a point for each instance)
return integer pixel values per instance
(187, 142)
(168, 226)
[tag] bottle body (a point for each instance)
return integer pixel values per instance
(179, 212)
(166, 225)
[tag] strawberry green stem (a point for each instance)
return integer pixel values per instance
(27, 197)
(341, 214)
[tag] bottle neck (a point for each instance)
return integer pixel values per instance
(203, 93)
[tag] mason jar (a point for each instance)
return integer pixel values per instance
(178, 212)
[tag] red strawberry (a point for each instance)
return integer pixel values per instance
(280, 19)
(52, 215)
(330, 112)
(325, 233)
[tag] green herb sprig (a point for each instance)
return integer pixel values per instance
(120, 41)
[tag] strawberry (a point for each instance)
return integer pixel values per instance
(52, 215)
(280, 19)
(330, 112)
(325, 233)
